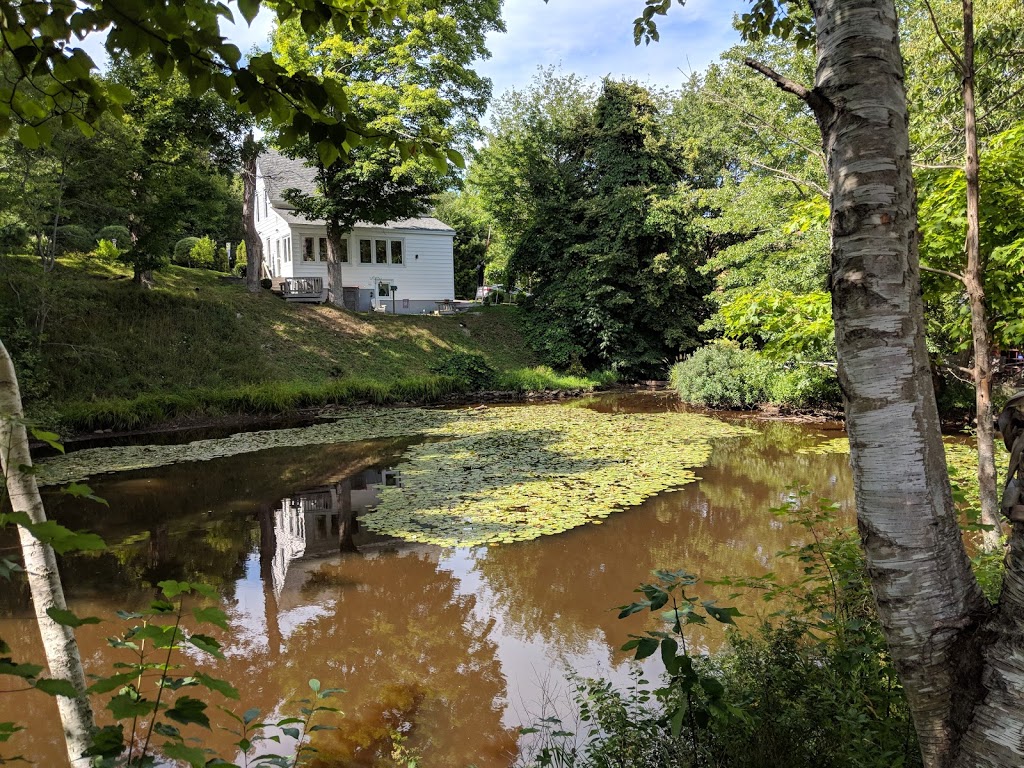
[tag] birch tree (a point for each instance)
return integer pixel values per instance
(961, 659)
(40, 562)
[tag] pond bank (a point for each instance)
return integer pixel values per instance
(202, 424)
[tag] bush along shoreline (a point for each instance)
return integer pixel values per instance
(152, 411)
(725, 376)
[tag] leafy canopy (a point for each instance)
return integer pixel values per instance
(49, 81)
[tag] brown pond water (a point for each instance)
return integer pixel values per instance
(455, 648)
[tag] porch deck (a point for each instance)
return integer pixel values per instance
(306, 289)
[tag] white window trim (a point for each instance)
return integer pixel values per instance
(373, 251)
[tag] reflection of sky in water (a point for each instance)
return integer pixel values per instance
(473, 641)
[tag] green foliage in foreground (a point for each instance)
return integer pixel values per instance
(725, 375)
(812, 688)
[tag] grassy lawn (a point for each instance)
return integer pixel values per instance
(94, 350)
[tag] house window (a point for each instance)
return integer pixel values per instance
(321, 248)
(307, 249)
(343, 255)
(381, 249)
(383, 289)
(365, 251)
(288, 249)
(256, 205)
(265, 198)
(396, 251)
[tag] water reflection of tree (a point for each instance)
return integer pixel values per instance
(194, 522)
(394, 632)
(562, 589)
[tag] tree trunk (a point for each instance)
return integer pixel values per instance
(346, 518)
(253, 244)
(961, 663)
(62, 657)
(335, 287)
(143, 277)
(973, 280)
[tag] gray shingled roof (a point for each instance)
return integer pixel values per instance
(281, 173)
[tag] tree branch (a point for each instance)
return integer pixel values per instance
(959, 62)
(945, 272)
(790, 177)
(821, 106)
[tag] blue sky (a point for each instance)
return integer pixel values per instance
(592, 38)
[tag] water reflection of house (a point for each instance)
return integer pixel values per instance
(324, 521)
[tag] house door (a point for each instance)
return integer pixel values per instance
(350, 298)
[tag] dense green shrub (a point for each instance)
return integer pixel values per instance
(203, 254)
(182, 250)
(220, 259)
(725, 375)
(116, 234)
(106, 251)
(267, 283)
(73, 238)
(468, 367)
(241, 257)
(13, 236)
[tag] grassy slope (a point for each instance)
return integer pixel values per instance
(197, 344)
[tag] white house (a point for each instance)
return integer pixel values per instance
(402, 266)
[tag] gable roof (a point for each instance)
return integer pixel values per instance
(280, 173)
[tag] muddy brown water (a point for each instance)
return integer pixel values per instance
(453, 648)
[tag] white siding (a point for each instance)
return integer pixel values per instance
(426, 274)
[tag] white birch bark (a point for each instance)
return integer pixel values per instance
(965, 693)
(59, 645)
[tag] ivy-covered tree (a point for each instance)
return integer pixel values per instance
(596, 207)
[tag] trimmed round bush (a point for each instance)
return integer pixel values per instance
(72, 238)
(182, 250)
(115, 233)
(267, 283)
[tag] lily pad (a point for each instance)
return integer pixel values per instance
(495, 476)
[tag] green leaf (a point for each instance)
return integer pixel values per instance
(206, 643)
(189, 710)
(83, 491)
(68, 619)
(314, 684)
(57, 687)
(249, 9)
(646, 647)
(211, 615)
(128, 705)
(28, 136)
(25, 671)
(171, 589)
(64, 540)
(52, 439)
(724, 615)
(194, 756)
(107, 742)
(113, 682)
(214, 684)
